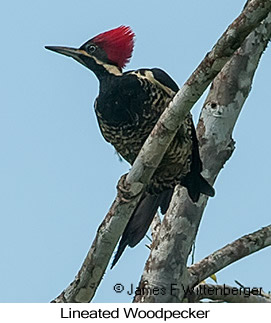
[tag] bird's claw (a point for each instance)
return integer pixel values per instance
(124, 189)
(127, 191)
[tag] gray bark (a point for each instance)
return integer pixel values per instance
(232, 252)
(229, 294)
(167, 262)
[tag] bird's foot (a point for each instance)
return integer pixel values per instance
(126, 191)
(123, 188)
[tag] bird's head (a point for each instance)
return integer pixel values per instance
(110, 50)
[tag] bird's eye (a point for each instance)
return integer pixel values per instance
(91, 48)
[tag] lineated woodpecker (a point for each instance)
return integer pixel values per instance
(127, 108)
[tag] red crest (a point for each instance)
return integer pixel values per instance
(118, 43)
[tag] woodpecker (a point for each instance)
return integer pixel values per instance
(127, 108)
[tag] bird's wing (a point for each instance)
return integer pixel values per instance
(163, 78)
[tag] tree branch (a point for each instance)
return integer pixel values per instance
(230, 294)
(168, 259)
(155, 225)
(83, 288)
(164, 131)
(232, 252)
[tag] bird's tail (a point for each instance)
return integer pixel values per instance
(141, 219)
(143, 215)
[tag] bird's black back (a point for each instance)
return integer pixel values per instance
(127, 108)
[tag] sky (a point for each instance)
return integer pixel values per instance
(58, 175)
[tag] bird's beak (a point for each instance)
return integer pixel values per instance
(68, 51)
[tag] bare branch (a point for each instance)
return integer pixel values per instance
(157, 143)
(232, 252)
(230, 294)
(83, 288)
(220, 112)
(155, 226)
